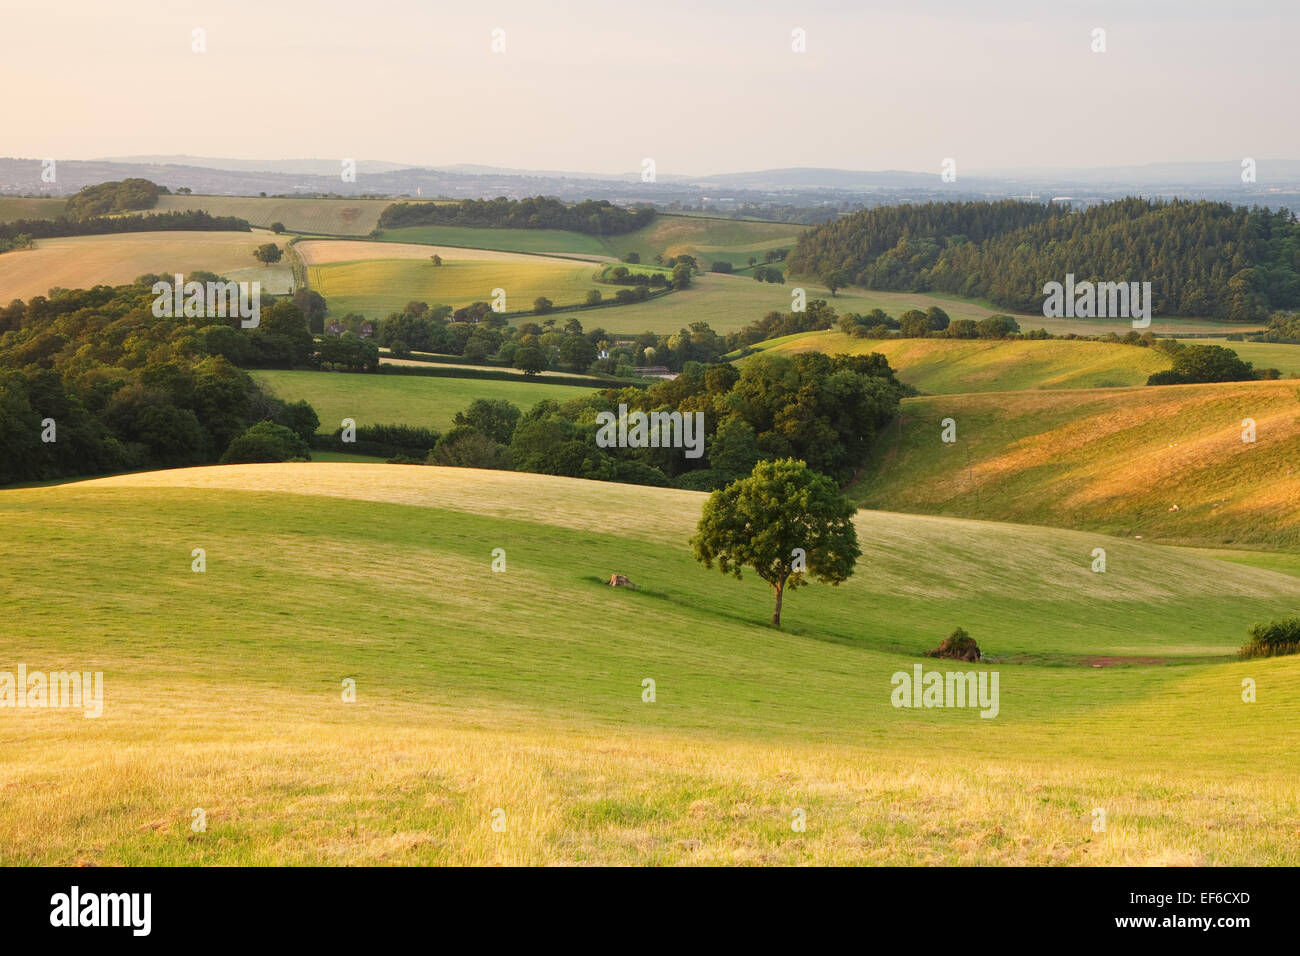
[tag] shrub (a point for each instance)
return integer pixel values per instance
(957, 646)
(265, 441)
(1273, 639)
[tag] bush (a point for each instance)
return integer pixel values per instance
(722, 266)
(957, 646)
(1273, 639)
(265, 441)
(464, 447)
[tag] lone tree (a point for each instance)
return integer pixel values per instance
(268, 253)
(785, 521)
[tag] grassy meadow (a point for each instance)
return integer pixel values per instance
(1285, 358)
(540, 241)
(19, 207)
(942, 366)
(401, 399)
(384, 277)
(521, 692)
(1113, 460)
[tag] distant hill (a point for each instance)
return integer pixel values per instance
(1278, 181)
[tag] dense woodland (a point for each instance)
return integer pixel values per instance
(125, 390)
(825, 410)
(1202, 258)
(593, 217)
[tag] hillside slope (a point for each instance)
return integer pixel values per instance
(521, 692)
(1113, 460)
(945, 366)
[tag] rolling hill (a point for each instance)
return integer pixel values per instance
(1112, 460)
(518, 695)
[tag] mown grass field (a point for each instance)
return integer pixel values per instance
(521, 692)
(80, 262)
(1113, 460)
(384, 277)
(401, 399)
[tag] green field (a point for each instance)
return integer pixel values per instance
(543, 241)
(16, 207)
(943, 366)
(1284, 358)
(376, 287)
(520, 693)
(1113, 460)
(729, 303)
(401, 399)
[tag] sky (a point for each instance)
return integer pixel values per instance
(699, 88)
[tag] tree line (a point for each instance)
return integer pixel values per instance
(592, 217)
(190, 220)
(1203, 258)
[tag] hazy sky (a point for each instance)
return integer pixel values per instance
(700, 87)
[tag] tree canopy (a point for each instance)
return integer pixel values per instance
(785, 522)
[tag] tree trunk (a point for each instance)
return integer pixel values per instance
(779, 587)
